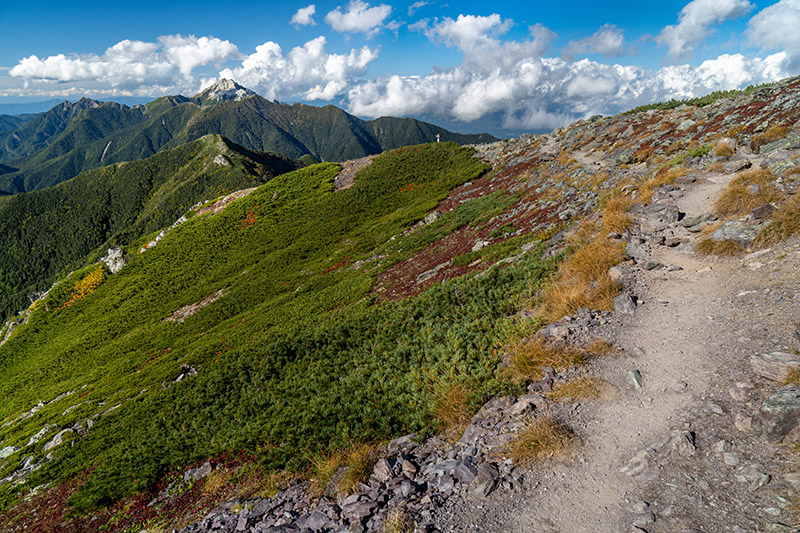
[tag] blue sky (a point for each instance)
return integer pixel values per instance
(504, 66)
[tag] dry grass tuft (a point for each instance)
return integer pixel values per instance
(398, 522)
(663, 176)
(642, 155)
(716, 167)
(600, 347)
(544, 438)
(452, 410)
(712, 247)
(324, 466)
(360, 459)
(583, 280)
(723, 149)
(774, 133)
(616, 217)
(215, 481)
(583, 387)
(529, 356)
(784, 223)
(735, 200)
(793, 377)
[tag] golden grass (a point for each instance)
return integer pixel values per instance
(544, 438)
(774, 133)
(583, 280)
(793, 377)
(716, 167)
(736, 201)
(584, 387)
(784, 222)
(452, 410)
(358, 459)
(723, 248)
(324, 466)
(616, 215)
(723, 149)
(666, 175)
(642, 155)
(215, 481)
(529, 356)
(398, 522)
(600, 347)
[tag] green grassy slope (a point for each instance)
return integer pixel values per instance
(44, 232)
(294, 356)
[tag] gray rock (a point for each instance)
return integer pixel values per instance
(624, 304)
(774, 365)
(736, 231)
(781, 167)
(58, 439)
(358, 511)
(779, 415)
(8, 451)
(644, 519)
(114, 259)
(638, 251)
(763, 211)
(635, 379)
(683, 442)
(735, 165)
(465, 472)
(616, 273)
(791, 142)
(382, 470)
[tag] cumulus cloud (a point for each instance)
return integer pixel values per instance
(359, 17)
(478, 38)
(529, 91)
(776, 27)
(307, 71)
(132, 64)
(415, 6)
(608, 40)
(695, 24)
(304, 16)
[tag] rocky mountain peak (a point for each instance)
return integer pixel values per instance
(225, 90)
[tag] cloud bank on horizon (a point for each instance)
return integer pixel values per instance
(518, 82)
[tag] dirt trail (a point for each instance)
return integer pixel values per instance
(681, 339)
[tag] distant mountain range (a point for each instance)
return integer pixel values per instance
(75, 137)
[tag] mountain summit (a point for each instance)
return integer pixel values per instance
(225, 90)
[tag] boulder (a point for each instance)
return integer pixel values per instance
(736, 231)
(779, 415)
(624, 304)
(775, 365)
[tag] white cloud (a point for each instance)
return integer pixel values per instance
(128, 64)
(305, 16)
(415, 6)
(608, 40)
(307, 71)
(188, 53)
(359, 17)
(777, 27)
(512, 79)
(695, 24)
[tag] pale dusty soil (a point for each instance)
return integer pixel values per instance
(690, 337)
